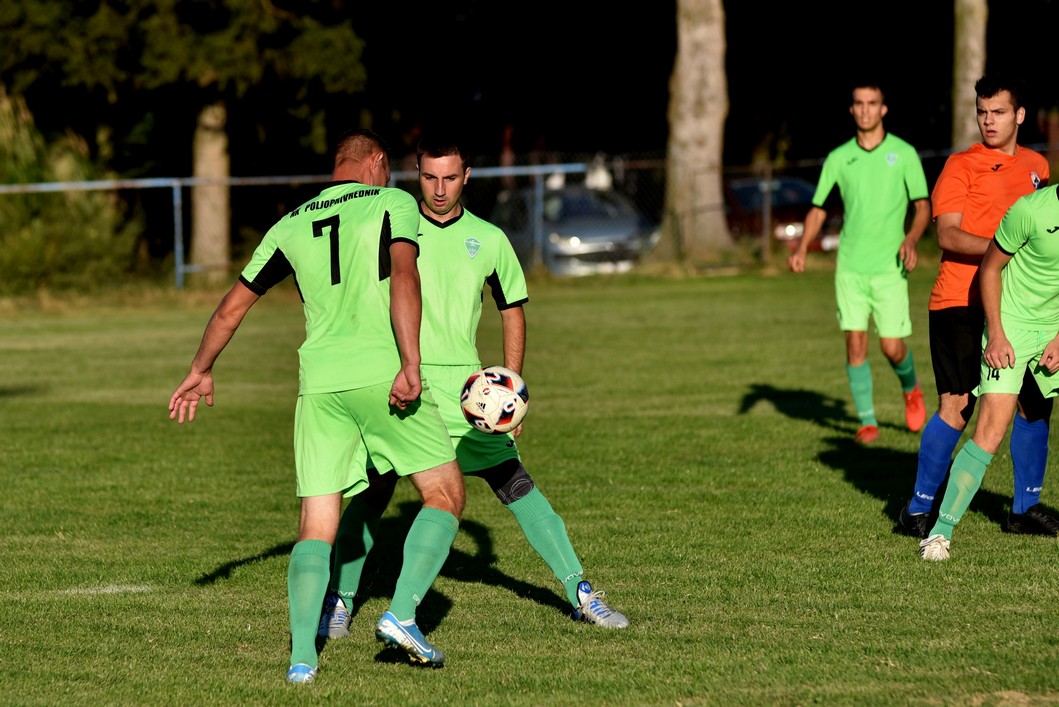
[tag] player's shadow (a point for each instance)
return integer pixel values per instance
(890, 475)
(383, 566)
(808, 405)
(885, 473)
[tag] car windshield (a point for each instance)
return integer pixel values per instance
(785, 192)
(566, 205)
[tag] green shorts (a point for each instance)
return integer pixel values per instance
(475, 449)
(883, 297)
(335, 432)
(1029, 345)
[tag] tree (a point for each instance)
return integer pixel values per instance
(173, 51)
(967, 66)
(694, 226)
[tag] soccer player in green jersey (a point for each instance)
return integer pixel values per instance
(352, 250)
(877, 175)
(459, 254)
(1019, 279)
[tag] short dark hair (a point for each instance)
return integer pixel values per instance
(440, 146)
(359, 144)
(993, 83)
(869, 83)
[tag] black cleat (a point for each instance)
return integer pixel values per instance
(1035, 521)
(917, 525)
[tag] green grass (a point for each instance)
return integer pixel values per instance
(695, 435)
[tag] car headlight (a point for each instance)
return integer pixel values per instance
(789, 231)
(567, 241)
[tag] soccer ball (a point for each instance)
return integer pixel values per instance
(495, 400)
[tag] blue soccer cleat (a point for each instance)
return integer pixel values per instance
(334, 619)
(301, 673)
(408, 638)
(594, 610)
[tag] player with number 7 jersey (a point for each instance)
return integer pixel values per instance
(349, 342)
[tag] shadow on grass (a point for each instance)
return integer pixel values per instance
(890, 476)
(885, 473)
(17, 391)
(807, 405)
(384, 565)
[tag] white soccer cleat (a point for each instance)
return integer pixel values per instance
(935, 548)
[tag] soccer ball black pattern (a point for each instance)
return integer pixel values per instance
(495, 400)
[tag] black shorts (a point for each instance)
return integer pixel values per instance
(956, 348)
(956, 356)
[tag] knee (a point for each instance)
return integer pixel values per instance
(510, 481)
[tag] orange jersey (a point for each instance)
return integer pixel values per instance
(981, 184)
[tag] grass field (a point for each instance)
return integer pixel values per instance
(695, 435)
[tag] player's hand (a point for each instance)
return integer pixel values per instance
(908, 255)
(796, 261)
(406, 387)
(185, 399)
(1050, 357)
(999, 352)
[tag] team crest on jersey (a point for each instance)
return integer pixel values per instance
(473, 245)
(891, 158)
(1036, 179)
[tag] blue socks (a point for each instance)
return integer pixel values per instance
(1029, 456)
(935, 453)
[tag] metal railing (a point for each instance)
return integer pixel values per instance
(177, 186)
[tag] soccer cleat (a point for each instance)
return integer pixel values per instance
(915, 524)
(935, 548)
(334, 619)
(866, 435)
(301, 673)
(915, 410)
(594, 610)
(1035, 521)
(409, 638)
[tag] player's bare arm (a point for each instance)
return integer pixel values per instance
(920, 220)
(406, 313)
(513, 320)
(198, 383)
(814, 221)
(998, 351)
(953, 238)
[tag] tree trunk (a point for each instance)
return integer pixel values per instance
(694, 226)
(968, 65)
(210, 203)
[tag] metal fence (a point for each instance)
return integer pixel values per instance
(640, 180)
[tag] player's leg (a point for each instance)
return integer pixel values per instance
(891, 313)
(854, 312)
(356, 537)
(998, 390)
(307, 576)
(426, 548)
(1029, 457)
(415, 444)
(546, 533)
(955, 351)
(326, 444)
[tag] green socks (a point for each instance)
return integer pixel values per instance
(425, 550)
(356, 537)
(861, 385)
(968, 470)
(307, 575)
(546, 533)
(906, 373)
